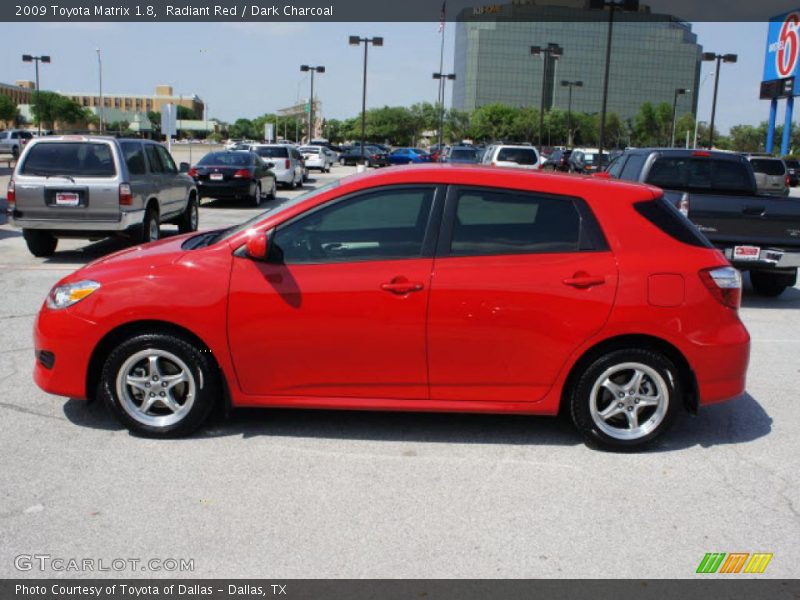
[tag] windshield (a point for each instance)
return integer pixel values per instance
(226, 158)
(279, 206)
(79, 159)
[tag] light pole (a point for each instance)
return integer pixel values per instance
(625, 5)
(550, 54)
(100, 75)
(570, 85)
(443, 77)
(355, 41)
(37, 59)
(313, 70)
(678, 92)
(720, 58)
(696, 125)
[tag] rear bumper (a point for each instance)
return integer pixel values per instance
(127, 220)
(768, 258)
(720, 365)
(225, 189)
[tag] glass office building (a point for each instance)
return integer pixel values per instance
(652, 55)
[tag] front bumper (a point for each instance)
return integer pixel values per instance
(127, 220)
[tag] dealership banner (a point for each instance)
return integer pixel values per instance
(381, 10)
(396, 589)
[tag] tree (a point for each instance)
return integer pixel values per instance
(8, 110)
(494, 121)
(49, 108)
(186, 114)
(242, 128)
(747, 138)
(456, 125)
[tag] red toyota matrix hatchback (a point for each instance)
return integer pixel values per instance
(430, 288)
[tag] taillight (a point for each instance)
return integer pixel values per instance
(494, 164)
(725, 284)
(192, 172)
(125, 194)
(11, 195)
(701, 153)
(288, 164)
(241, 173)
(787, 180)
(683, 204)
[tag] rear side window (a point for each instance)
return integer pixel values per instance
(633, 167)
(521, 156)
(668, 219)
(79, 159)
(615, 168)
(496, 222)
(767, 166)
(700, 174)
(134, 157)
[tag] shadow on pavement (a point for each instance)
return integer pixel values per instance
(788, 299)
(736, 422)
(99, 249)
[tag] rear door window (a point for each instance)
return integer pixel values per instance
(166, 160)
(154, 159)
(78, 159)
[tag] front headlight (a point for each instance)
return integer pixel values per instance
(68, 294)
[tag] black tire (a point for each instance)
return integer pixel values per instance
(40, 243)
(190, 218)
(299, 183)
(272, 190)
(202, 379)
(255, 199)
(769, 285)
(150, 226)
(343, 162)
(618, 367)
(15, 152)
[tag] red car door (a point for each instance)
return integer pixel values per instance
(339, 309)
(520, 280)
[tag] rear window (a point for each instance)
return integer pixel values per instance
(767, 166)
(792, 164)
(79, 159)
(661, 213)
(310, 150)
(226, 158)
(686, 173)
(592, 158)
(272, 152)
(466, 154)
(521, 156)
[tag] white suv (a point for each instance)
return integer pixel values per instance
(510, 155)
(289, 169)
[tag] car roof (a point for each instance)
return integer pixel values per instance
(687, 152)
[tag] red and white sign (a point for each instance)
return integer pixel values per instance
(788, 45)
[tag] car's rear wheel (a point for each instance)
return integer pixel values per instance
(190, 219)
(255, 199)
(769, 285)
(273, 190)
(40, 243)
(342, 162)
(15, 152)
(151, 230)
(160, 385)
(626, 399)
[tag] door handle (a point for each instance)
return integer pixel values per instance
(582, 280)
(401, 285)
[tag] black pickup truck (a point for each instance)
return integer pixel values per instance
(717, 191)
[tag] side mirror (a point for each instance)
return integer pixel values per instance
(184, 167)
(257, 246)
(270, 165)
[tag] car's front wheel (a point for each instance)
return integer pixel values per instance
(160, 385)
(625, 399)
(190, 219)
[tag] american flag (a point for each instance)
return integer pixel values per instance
(441, 16)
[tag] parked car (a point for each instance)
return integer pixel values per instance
(95, 187)
(288, 164)
(771, 175)
(12, 141)
(793, 170)
(516, 156)
(233, 175)
(547, 292)
(717, 192)
(318, 157)
(374, 156)
(408, 156)
(586, 160)
(462, 154)
(558, 160)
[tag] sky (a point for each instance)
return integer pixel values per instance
(248, 69)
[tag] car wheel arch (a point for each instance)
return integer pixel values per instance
(131, 329)
(691, 398)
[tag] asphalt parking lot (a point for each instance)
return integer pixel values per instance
(297, 494)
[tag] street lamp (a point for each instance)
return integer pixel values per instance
(443, 77)
(720, 58)
(678, 92)
(696, 125)
(355, 40)
(550, 53)
(100, 73)
(37, 59)
(625, 5)
(570, 85)
(306, 68)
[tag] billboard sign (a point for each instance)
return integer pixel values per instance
(783, 49)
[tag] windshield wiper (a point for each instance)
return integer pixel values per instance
(69, 177)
